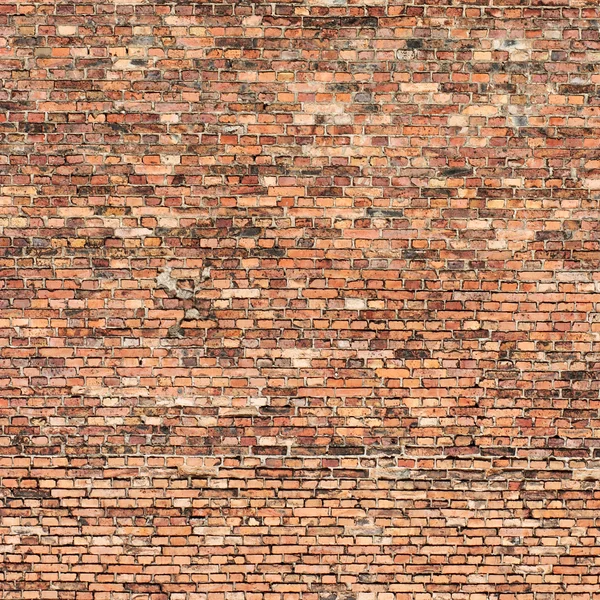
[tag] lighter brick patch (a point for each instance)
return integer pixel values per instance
(419, 87)
(355, 303)
(241, 293)
(132, 232)
(592, 184)
(480, 110)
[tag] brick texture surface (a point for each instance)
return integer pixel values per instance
(300, 300)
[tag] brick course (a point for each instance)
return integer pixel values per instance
(300, 299)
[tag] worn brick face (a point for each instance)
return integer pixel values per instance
(300, 300)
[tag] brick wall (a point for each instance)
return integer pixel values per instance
(299, 299)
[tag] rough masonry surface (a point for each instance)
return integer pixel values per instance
(300, 300)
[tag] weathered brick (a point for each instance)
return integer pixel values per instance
(299, 299)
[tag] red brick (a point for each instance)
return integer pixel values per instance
(299, 300)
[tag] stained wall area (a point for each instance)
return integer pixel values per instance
(300, 300)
